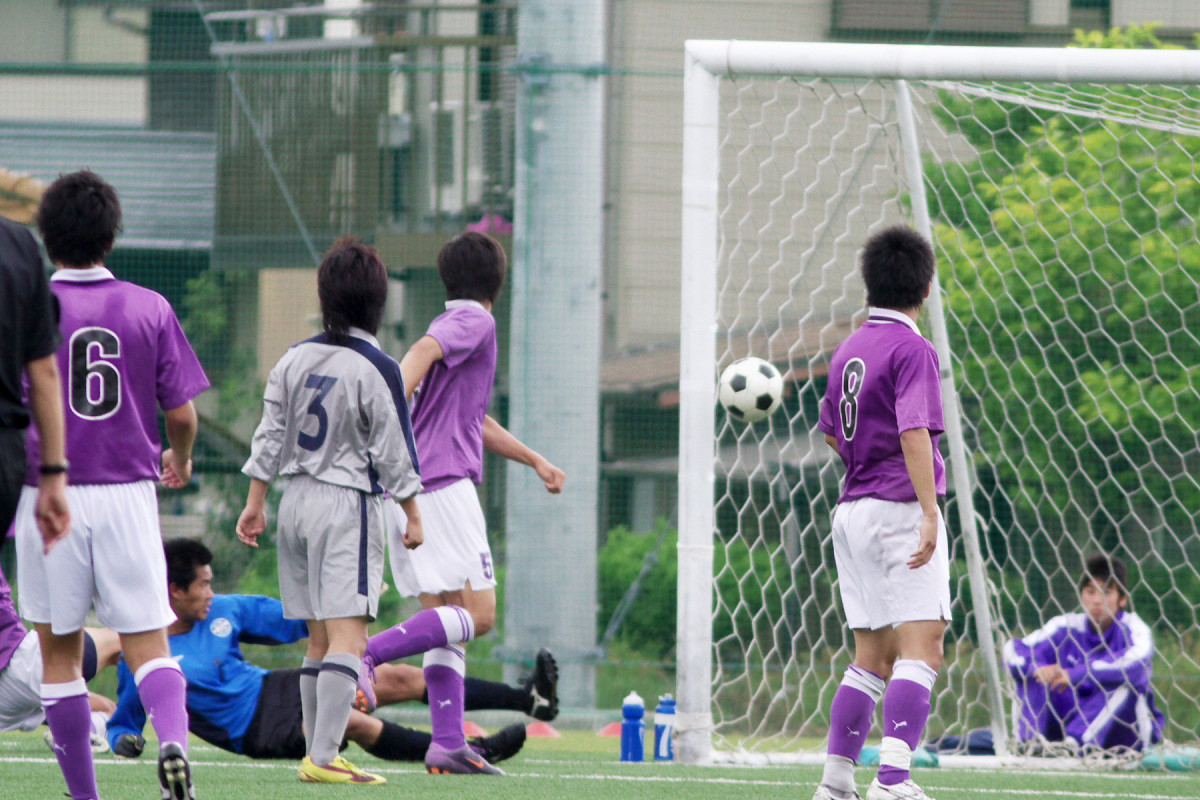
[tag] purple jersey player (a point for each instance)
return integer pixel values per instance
(1084, 678)
(882, 413)
(453, 367)
(123, 357)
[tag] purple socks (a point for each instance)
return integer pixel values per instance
(163, 692)
(905, 712)
(70, 721)
(444, 670)
(424, 631)
(850, 714)
(849, 722)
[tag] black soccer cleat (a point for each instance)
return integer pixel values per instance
(174, 774)
(502, 745)
(542, 687)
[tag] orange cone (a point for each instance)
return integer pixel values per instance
(471, 729)
(542, 730)
(611, 729)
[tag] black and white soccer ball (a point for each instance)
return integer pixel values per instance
(750, 389)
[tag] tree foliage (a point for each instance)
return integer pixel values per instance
(1071, 261)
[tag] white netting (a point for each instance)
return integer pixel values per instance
(1065, 227)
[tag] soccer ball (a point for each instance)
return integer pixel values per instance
(750, 389)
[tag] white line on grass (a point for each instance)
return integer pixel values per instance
(666, 779)
(1152, 775)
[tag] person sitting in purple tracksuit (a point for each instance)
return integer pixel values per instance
(1084, 678)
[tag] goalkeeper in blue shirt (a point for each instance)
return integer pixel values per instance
(246, 709)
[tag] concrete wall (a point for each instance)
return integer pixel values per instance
(645, 147)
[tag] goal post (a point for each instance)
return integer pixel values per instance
(794, 153)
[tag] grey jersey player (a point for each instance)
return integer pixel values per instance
(336, 423)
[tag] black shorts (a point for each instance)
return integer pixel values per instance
(277, 730)
(12, 475)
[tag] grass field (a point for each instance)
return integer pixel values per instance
(579, 766)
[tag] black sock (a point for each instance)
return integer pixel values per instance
(400, 744)
(480, 694)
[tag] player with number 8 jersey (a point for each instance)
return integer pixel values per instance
(123, 357)
(882, 414)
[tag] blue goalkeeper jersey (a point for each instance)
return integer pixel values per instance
(222, 687)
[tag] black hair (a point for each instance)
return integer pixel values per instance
(352, 285)
(897, 268)
(183, 557)
(1106, 571)
(79, 219)
(472, 267)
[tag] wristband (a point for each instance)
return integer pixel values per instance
(54, 469)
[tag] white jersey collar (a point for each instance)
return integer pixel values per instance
(450, 304)
(83, 275)
(892, 315)
(359, 333)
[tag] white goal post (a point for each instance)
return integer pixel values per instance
(793, 152)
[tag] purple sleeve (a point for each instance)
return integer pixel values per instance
(459, 335)
(180, 376)
(828, 423)
(918, 389)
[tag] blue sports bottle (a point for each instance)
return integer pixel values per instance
(633, 728)
(664, 726)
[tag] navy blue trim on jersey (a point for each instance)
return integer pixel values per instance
(373, 476)
(363, 544)
(390, 371)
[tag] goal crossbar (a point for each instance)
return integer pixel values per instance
(944, 62)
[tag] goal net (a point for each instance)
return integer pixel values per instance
(1060, 191)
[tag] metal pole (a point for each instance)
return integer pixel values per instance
(555, 338)
(697, 416)
(960, 465)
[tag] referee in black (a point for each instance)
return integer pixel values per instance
(29, 336)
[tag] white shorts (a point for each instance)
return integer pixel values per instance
(112, 558)
(455, 551)
(21, 687)
(872, 542)
(330, 541)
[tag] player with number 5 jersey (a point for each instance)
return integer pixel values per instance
(123, 357)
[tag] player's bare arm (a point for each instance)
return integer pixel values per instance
(45, 401)
(918, 458)
(252, 522)
(498, 440)
(182, 424)
(832, 442)
(424, 353)
(414, 534)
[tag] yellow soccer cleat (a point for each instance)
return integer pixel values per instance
(338, 771)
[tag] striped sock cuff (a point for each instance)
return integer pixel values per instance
(457, 622)
(865, 681)
(908, 669)
(449, 656)
(344, 664)
(53, 692)
(155, 664)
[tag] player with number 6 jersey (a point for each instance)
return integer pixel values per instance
(123, 357)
